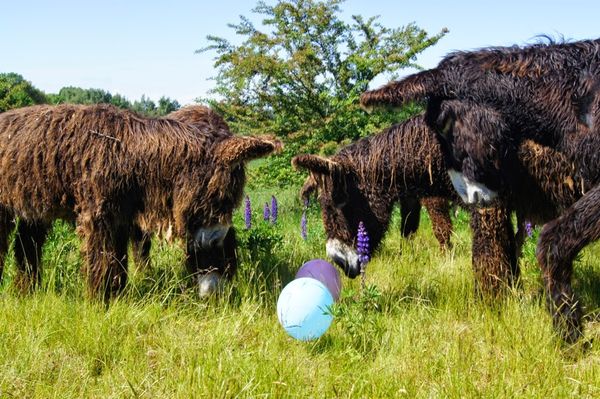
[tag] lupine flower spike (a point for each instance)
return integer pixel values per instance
(303, 226)
(248, 213)
(528, 228)
(273, 209)
(362, 247)
(266, 213)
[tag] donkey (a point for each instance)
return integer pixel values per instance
(548, 93)
(105, 169)
(364, 181)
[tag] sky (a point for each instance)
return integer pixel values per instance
(137, 48)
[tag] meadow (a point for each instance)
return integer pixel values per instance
(416, 330)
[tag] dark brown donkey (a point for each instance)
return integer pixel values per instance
(549, 93)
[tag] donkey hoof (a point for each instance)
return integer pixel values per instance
(209, 284)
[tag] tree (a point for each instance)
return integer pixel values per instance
(147, 107)
(300, 77)
(77, 95)
(166, 106)
(16, 92)
(144, 106)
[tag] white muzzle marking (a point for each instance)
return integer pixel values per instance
(344, 255)
(471, 192)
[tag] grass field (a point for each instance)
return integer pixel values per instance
(417, 331)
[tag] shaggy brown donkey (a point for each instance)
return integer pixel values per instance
(102, 168)
(366, 179)
(548, 93)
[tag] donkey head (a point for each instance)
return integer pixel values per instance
(345, 201)
(476, 146)
(207, 194)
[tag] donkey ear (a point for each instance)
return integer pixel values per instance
(238, 149)
(315, 163)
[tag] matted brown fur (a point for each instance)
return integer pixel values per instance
(103, 167)
(493, 251)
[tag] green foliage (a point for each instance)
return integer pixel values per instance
(16, 92)
(77, 95)
(260, 240)
(145, 106)
(357, 315)
(301, 77)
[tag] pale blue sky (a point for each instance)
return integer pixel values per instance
(147, 47)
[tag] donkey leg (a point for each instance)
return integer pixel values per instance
(230, 257)
(410, 215)
(140, 243)
(7, 224)
(493, 254)
(29, 241)
(520, 235)
(560, 242)
(105, 251)
(439, 213)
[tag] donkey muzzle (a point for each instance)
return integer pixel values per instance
(344, 256)
(210, 237)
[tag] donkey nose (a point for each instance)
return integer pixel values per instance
(210, 237)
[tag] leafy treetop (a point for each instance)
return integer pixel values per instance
(300, 76)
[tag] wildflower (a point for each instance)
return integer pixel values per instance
(303, 225)
(248, 213)
(266, 212)
(528, 228)
(273, 209)
(362, 239)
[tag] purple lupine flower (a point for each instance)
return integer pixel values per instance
(528, 228)
(303, 226)
(266, 212)
(273, 209)
(362, 247)
(248, 213)
(362, 239)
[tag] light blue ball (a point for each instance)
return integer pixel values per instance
(303, 308)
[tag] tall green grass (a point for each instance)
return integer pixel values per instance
(418, 330)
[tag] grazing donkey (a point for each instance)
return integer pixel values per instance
(364, 181)
(549, 93)
(106, 169)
